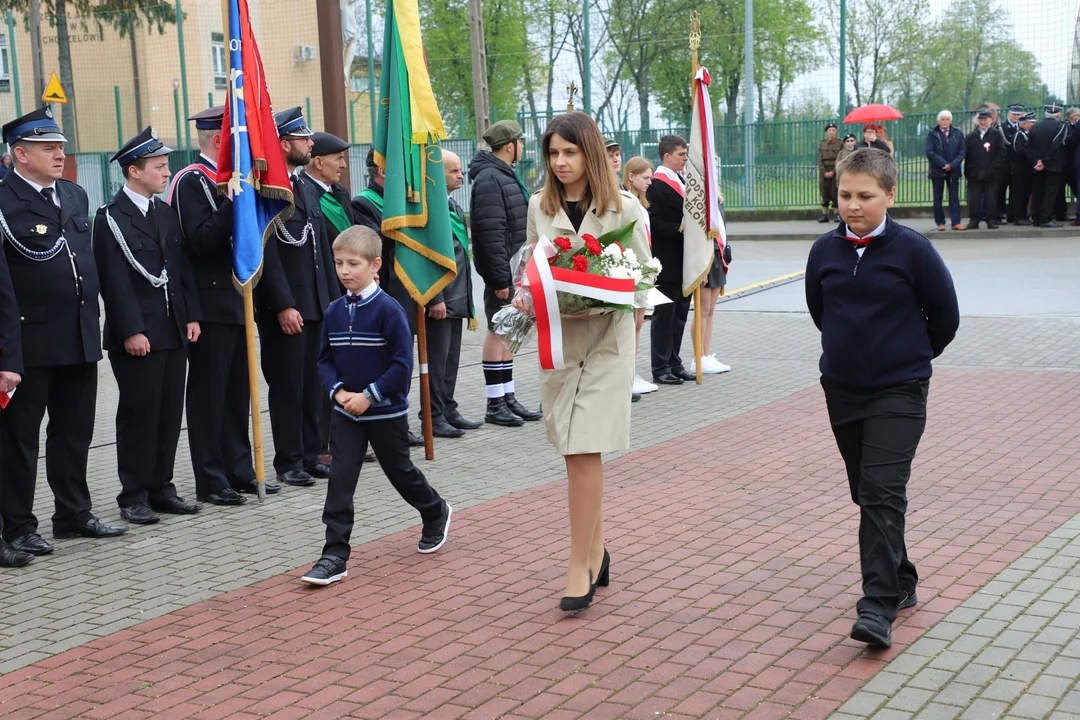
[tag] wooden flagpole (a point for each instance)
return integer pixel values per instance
(695, 43)
(249, 328)
(425, 386)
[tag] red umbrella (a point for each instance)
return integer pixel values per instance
(873, 113)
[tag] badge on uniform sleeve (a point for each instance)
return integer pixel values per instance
(41, 229)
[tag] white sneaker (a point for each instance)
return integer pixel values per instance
(711, 366)
(643, 386)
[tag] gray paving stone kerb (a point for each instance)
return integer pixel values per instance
(1022, 663)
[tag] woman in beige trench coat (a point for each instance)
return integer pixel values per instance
(586, 405)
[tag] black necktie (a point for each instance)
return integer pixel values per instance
(150, 211)
(47, 193)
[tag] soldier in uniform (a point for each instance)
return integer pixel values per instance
(1009, 129)
(151, 313)
(46, 230)
(1046, 149)
(218, 399)
(298, 284)
(827, 150)
(1020, 190)
(323, 175)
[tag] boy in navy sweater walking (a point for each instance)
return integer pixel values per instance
(365, 362)
(885, 305)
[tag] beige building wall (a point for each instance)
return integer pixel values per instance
(287, 35)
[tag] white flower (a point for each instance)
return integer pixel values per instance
(636, 275)
(654, 263)
(630, 256)
(620, 273)
(613, 251)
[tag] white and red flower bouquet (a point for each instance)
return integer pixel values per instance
(554, 281)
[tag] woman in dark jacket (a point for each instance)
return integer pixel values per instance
(945, 149)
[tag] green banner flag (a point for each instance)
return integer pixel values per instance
(416, 214)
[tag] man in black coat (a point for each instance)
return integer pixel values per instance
(297, 286)
(1022, 172)
(1046, 149)
(499, 218)
(666, 196)
(446, 313)
(986, 157)
(151, 313)
(218, 398)
(1009, 128)
(47, 246)
(11, 341)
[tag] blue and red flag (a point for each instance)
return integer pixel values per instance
(251, 167)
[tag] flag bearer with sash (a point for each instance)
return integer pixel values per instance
(297, 286)
(45, 223)
(151, 313)
(218, 399)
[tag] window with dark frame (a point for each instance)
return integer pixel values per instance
(217, 50)
(5, 67)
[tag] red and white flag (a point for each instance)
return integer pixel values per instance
(702, 223)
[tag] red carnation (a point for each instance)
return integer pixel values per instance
(581, 264)
(563, 243)
(592, 244)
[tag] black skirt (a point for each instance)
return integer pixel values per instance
(716, 278)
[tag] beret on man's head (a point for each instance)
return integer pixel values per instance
(502, 134)
(830, 125)
(323, 143)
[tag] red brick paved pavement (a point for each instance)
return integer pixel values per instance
(734, 577)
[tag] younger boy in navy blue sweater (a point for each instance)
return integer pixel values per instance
(365, 362)
(885, 305)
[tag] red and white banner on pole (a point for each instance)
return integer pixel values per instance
(702, 223)
(545, 282)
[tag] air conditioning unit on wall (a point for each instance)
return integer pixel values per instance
(303, 53)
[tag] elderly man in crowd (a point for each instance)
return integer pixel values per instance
(945, 149)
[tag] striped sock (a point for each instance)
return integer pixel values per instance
(493, 382)
(508, 377)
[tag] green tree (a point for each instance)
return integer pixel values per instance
(787, 43)
(122, 15)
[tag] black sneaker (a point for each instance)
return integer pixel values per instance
(910, 600)
(873, 630)
(327, 570)
(435, 533)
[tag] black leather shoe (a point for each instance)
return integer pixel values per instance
(31, 543)
(823, 219)
(455, 419)
(991, 226)
(11, 558)
(603, 578)
(499, 414)
(520, 410)
(249, 489)
(575, 604)
(369, 456)
(634, 397)
(442, 429)
(228, 496)
(140, 513)
(1023, 223)
(973, 225)
(873, 630)
(667, 379)
(910, 600)
(175, 506)
(92, 528)
(1051, 224)
(296, 478)
(415, 440)
(687, 376)
(318, 470)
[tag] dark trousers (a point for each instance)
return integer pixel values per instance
(666, 331)
(1020, 195)
(1044, 187)
(953, 182)
(878, 433)
(69, 393)
(390, 440)
(982, 201)
(289, 363)
(148, 419)
(218, 409)
(1003, 207)
(827, 190)
(444, 354)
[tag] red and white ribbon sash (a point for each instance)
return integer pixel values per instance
(545, 281)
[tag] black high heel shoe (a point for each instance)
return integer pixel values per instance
(574, 604)
(604, 576)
